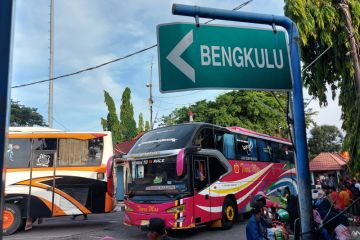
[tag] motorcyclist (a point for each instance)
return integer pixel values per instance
(254, 226)
(260, 220)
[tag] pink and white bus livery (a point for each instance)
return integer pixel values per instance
(197, 173)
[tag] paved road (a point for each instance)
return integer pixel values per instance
(101, 225)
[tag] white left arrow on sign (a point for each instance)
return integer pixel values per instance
(175, 56)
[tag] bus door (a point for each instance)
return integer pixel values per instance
(42, 172)
(202, 209)
(73, 188)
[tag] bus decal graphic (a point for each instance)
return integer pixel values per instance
(240, 184)
(43, 160)
(38, 182)
(218, 209)
(288, 172)
(240, 200)
(211, 209)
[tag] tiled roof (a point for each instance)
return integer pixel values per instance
(326, 161)
(124, 147)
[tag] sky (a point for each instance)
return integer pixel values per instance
(90, 32)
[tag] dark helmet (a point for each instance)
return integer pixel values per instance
(256, 200)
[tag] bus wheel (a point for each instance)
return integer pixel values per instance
(229, 213)
(11, 219)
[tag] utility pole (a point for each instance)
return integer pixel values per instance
(151, 101)
(354, 44)
(51, 66)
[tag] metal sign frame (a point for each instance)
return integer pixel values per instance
(302, 162)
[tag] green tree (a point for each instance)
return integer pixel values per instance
(321, 26)
(25, 116)
(147, 126)
(141, 124)
(111, 123)
(127, 121)
(255, 110)
(325, 138)
(309, 114)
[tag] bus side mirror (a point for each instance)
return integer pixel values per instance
(180, 159)
(180, 162)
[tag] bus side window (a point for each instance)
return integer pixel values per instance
(200, 173)
(76, 152)
(245, 148)
(277, 155)
(219, 141)
(264, 150)
(45, 144)
(44, 150)
(18, 153)
(229, 145)
(216, 169)
(290, 154)
(282, 153)
(205, 139)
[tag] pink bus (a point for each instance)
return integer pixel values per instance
(198, 173)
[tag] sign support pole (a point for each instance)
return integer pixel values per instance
(6, 14)
(302, 162)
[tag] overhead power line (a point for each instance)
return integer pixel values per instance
(234, 9)
(308, 66)
(87, 69)
(112, 61)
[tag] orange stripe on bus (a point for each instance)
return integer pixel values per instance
(101, 168)
(109, 203)
(37, 183)
(57, 210)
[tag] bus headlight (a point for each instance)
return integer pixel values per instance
(176, 209)
(128, 209)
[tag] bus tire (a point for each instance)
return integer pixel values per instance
(11, 218)
(229, 213)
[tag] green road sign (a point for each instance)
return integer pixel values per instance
(222, 57)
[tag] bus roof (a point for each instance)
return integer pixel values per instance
(256, 134)
(33, 129)
(241, 130)
(45, 132)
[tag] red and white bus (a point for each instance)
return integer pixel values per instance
(55, 173)
(197, 173)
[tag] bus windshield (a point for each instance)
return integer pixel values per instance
(167, 138)
(156, 177)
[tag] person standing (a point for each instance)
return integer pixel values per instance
(337, 203)
(344, 197)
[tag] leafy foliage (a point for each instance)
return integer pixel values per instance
(309, 114)
(111, 123)
(25, 116)
(147, 126)
(258, 111)
(140, 124)
(325, 138)
(320, 26)
(127, 121)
